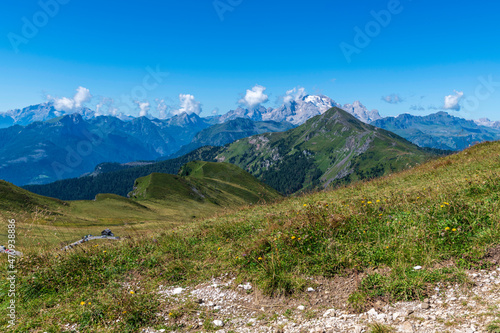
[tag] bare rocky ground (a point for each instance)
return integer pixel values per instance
(225, 306)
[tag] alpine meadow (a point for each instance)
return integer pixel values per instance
(249, 167)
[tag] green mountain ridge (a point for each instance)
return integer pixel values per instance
(331, 148)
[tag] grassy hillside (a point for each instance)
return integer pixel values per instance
(218, 183)
(442, 215)
(158, 201)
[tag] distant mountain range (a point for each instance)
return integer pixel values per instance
(298, 111)
(332, 148)
(440, 130)
(40, 144)
(69, 146)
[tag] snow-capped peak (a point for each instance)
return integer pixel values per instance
(360, 111)
(488, 123)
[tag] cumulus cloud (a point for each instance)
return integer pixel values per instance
(294, 94)
(254, 97)
(144, 108)
(67, 104)
(452, 102)
(188, 104)
(215, 111)
(392, 99)
(82, 96)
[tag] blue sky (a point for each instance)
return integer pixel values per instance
(415, 54)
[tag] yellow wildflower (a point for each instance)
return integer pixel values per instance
(293, 237)
(260, 258)
(82, 303)
(447, 228)
(378, 200)
(132, 292)
(369, 202)
(453, 229)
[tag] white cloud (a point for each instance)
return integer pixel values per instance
(66, 104)
(188, 104)
(392, 99)
(254, 97)
(452, 102)
(144, 108)
(82, 96)
(294, 94)
(215, 111)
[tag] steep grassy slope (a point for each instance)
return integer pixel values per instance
(446, 210)
(331, 148)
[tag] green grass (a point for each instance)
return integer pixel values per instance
(446, 210)
(381, 328)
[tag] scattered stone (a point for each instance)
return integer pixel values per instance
(425, 306)
(372, 312)
(407, 327)
(246, 286)
(310, 289)
(301, 308)
(417, 268)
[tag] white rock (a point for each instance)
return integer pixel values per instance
(218, 323)
(301, 308)
(246, 286)
(310, 289)
(372, 312)
(417, 268)
(177, 291)
(217, 307)
(329, 313)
